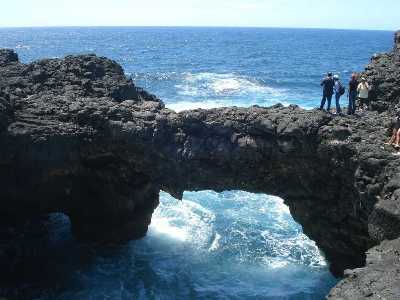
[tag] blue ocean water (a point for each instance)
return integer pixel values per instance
(231, 245)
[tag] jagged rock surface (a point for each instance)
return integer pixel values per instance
(379, 279)
(383, 73)
(78, 137)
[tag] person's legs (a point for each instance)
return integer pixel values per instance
(366, 103)
(337, 98)
(362, 103)
(323, 101)
(397, 141)
(393, 137)
(329, 98)
(352, 103)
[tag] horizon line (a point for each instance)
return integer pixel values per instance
(191, 26)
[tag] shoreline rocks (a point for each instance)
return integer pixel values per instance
(78, 137)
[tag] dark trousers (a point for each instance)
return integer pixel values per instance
(351, 109)
(364, 102)
(337, 98)
(324, 98)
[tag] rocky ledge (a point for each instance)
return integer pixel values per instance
(78, 137)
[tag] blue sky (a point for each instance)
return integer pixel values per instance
(352, 14)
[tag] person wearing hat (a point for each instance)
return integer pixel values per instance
(339, 91)
(327, 83)
(363, 91)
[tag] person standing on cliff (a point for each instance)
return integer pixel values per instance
(353, 85)
(327, 83)
(339, 91)
(395, 139)
(363, 91)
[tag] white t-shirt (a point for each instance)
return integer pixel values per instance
(363, 90)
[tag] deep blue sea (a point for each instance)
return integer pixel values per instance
(230, 245)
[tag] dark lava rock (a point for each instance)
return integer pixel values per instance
(6, 113)
(73, 76)
(379, 279)
(383, 73)
(7, 56)
(79, 137)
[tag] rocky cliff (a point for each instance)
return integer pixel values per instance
(384, 73)
(78, 137)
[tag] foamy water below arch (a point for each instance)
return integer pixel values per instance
(249, 238)
(230, 245)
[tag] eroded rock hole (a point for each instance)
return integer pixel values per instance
(236, 235)
(200, 246)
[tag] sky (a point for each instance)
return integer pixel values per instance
(349, 14)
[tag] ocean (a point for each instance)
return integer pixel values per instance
(230, 245)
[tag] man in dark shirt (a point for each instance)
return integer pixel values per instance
(353, 84)
(327, 83)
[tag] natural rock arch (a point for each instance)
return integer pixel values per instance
(78, 137)
(308, 158)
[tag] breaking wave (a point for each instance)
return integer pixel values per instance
(239, 237)
(214, 84)
(248, 226)
(230, 245)
(212, 90)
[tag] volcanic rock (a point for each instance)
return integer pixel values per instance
(80, 138)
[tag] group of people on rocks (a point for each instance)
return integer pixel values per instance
(357, 90)
(358, 96)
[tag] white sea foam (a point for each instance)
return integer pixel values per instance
(179, 106)
(163, 226)
(242, 85)
(184, 220)
(226, 85)
(215, 244)
(222, 84)
(20, 46)
(275, 263)
(189, 105)
(297, 249)
(255, 228)
(212, 90)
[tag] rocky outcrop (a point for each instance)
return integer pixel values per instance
(7, 57)
(396, 48)
(78, 137)
(6, 113)
(383, 73)
(379, 279)
(49, 102)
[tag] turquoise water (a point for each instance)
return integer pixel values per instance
(231, 245)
